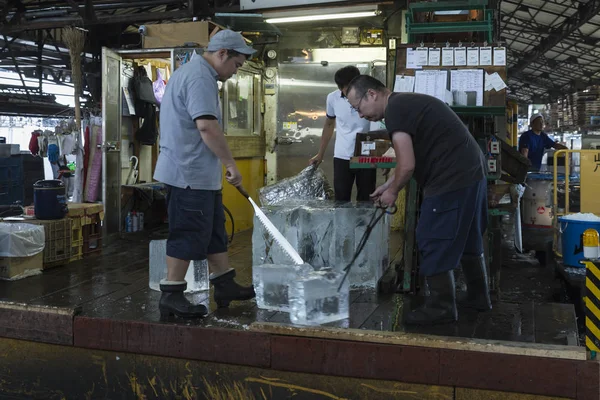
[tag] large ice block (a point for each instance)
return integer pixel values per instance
(326, 235)
(196, 276)
(272, 282)
(310, 183)
(315, 299)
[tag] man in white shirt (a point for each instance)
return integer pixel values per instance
(347, 123)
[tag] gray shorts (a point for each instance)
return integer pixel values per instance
(196, 223)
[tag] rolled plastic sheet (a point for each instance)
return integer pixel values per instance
(310, 184)
(518, 191)
(21, 239)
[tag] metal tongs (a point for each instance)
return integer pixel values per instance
(390, 210)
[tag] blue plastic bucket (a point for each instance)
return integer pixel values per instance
(572, 239)
(49, 200)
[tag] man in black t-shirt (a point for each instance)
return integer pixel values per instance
(434, 146)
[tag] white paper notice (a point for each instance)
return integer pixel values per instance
(473, 56)
(447, 56)
(499, 56)
(488, 83)
(485, 56)
(434, 57)
(495, 82)
(460, 56)
(467, 86)
(366, 148)
(411, 59)
(404, 84)
(432, 82)
(422, 53)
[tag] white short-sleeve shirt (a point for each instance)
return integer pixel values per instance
(347, 125)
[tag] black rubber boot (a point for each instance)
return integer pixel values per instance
(228, 290)
(173, 302)
(478, 292)
(440, 306)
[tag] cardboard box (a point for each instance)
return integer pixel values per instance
(20, 267)
(373, 144)
(176, 34)
(375, 148)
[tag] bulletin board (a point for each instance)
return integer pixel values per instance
(494, 77)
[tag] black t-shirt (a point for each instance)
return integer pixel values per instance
(447, 156)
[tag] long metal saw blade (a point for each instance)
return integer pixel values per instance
(277, 236)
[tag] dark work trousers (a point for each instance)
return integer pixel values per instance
(451, 225)
(343, 180)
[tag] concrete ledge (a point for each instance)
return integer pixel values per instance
(37, 323)
(546, 370)
(428, 341)
(180, 341)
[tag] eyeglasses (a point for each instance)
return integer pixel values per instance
(357, 108)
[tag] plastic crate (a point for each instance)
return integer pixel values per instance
(10, 169)
(92, 238)
(10, 192)
(76, 250)
(58, 241)
(76, 238)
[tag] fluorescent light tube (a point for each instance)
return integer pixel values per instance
(325, 17)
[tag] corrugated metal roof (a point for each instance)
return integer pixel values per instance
(528, 25)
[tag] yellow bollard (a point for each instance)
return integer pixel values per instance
(592, 305)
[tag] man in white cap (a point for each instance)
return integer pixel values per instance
(533, 142)
(193, 150)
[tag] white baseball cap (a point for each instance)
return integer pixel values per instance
(534, 117)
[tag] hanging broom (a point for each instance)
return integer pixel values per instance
(74, 39)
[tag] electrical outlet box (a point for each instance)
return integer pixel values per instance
(371, 37)
(393, 44)
(495, 148)
(351, 35)
(492, 166)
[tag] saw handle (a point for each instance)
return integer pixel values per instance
(241, 189)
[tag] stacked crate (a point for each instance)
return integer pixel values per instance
(11, 185)
(57, 249)
(18, 173)
(33, 171)
(579, 109)
(87, 229)
(76, 236)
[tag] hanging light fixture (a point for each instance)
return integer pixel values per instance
(321, 14)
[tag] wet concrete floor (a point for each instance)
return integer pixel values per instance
(115, 285)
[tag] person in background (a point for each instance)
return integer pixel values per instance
(347, 124)
(533, 142)
(433, 145)
(193, 150)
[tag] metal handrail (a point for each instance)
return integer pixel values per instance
(555, 212)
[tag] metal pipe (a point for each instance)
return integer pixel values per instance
(555, 203)
(509, 119)
(567, 173)
(240, 15)
(54, 11)
(515, 125)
